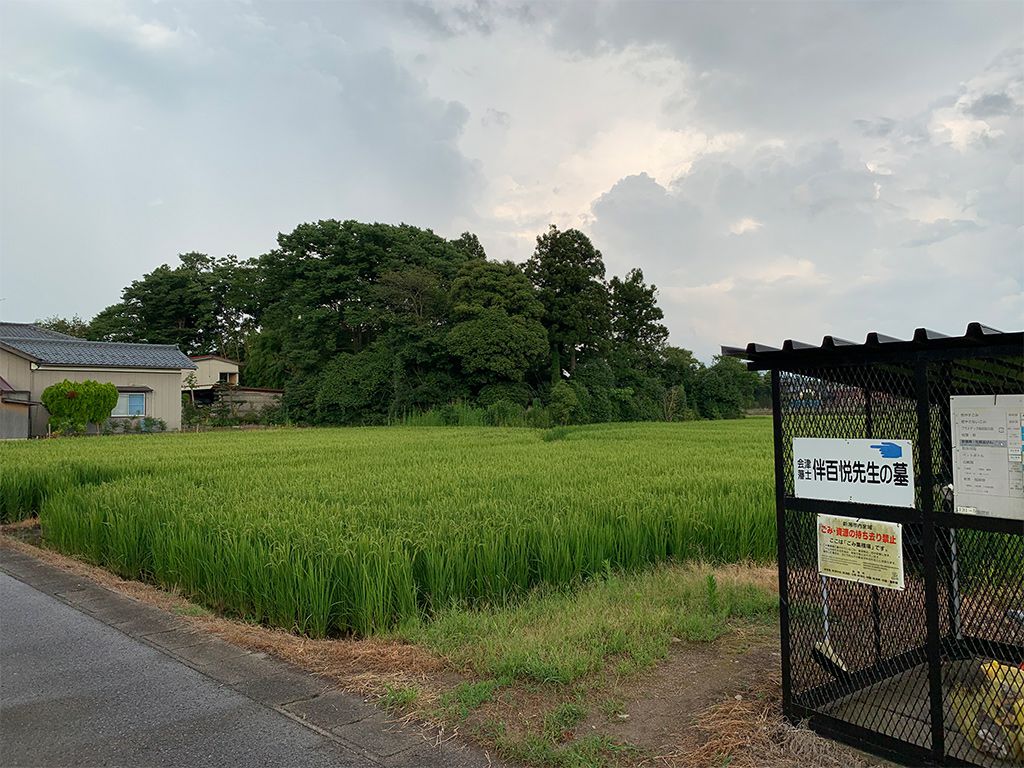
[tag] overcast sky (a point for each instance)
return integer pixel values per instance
(778, 170)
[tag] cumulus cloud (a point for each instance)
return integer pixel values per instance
(249, 126)
(778, 170)
(791, 241)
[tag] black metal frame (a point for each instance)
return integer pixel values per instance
(921, 374)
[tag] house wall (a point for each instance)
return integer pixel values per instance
(208, 372)
(244, 400)
(164, 402)
(14, 420)
(15, 370)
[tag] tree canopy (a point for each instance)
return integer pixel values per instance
(365, 323)
(568, 274)
(202, 306)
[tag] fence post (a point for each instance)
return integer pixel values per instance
(780, 526)
(929, 556)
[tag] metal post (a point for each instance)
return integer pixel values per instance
(876, 610)
(780, 526)
(929, 554)
(948, 535)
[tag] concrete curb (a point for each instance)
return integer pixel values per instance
(307, 699)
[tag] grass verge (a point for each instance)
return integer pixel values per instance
(620, 623)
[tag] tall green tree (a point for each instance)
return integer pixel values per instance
(638, 338)
(332, 288)
(497, 334)
(568, 273)
(470, 244)
(202, 306)
(413, 319)
(725, 389)
(70, 326)
(635, 316)
(356, 388)
(113, 323)
(679, 367)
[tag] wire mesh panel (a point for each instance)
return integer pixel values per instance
(930, 672)
(984, 570)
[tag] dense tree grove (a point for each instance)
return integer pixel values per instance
(369, 323)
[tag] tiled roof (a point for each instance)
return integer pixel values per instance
(29, 331)
(51, 348)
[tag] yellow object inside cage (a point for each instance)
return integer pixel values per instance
(988, 708)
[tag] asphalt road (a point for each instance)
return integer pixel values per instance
(74, 691)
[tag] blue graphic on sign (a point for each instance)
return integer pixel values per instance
(889, 450)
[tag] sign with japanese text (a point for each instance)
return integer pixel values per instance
(988, 455)
(865, 551)
(863, 471)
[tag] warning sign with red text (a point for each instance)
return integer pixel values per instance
(865, 551)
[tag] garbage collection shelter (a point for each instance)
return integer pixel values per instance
(900, 514)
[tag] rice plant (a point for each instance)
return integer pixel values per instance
(357, 530)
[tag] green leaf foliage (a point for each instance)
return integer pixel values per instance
(73, 405)
(565, 404)
(371, 323)
(568, 273)
(69, 326)
(356, 388)
(497, 346)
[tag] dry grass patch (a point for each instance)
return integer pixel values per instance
(748, 731)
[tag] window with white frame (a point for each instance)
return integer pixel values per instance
(130, 404)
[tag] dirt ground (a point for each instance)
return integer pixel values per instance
(715, 704)
(663, 705)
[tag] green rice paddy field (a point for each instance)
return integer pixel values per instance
(339, 531)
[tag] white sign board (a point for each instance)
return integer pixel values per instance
(988, 451)
(863, 471)
(865, 551)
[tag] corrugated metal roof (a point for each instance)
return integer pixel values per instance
(51, 348)
(762, 356)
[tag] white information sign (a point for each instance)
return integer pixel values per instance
(988, 451)
(864, 471)
(865, 551)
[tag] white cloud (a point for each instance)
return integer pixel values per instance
(951, 126)
(777, 170)
(744, 225)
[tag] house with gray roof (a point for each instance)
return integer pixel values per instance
(147, 376)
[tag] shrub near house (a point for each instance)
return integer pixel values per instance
(73, 405)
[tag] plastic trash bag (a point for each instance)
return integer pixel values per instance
(988, 708)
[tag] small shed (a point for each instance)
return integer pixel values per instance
(15, 412)
(899, 489)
